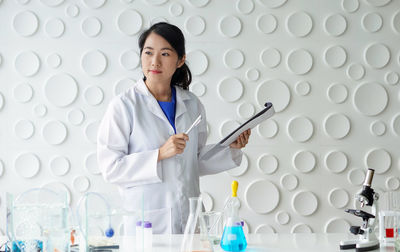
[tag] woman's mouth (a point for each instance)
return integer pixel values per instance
(155, 71)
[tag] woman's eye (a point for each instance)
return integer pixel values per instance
(148, 53)
(165, 54)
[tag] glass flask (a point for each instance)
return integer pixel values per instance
(37, 220)
(233, 238)
(193, 239)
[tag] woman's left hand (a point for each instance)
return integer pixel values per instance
(242, 140)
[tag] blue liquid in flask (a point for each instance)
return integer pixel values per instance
(233, 239)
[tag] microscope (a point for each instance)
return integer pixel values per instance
(367, 240)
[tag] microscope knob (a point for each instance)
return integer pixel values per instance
(356, 230)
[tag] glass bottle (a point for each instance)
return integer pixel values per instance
(192, 238)
(233, 238)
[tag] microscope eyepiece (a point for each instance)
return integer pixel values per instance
(369, 177)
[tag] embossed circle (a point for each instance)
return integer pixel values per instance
(245, 6)
(367, 92)
(335, 25)
(270, 57)
(396, 22)
(27, 63)
(175, 9)
(356, 176)
(1, 101)
(338, 198)
(300, 129)
(301, 228)
(337, 225)
(230, 89)
(91, 163)
(335, 56)
(1, 168)
(268, 128)
(59, 165)
(122, 85)
(93, 95)
(91, 131)
(81, 184)
(198, 3)
(264, 229)
(198, 62)
(129, 22)
(245, 110)
(24, 129)
(76, 116)
(299, 24)
(54, 28)
(25, 23)
(392, 78)
(396, 124)
(230, 26)
(289, 181)
(274, 91)
(52, 3)
(195, 25)
(129, 60)
(372, 22)
(304, 203)
(94, 62)
(377, 55)
(94, 4)
(266, 23)
(378, 3)
(54, 60)
(54, 132)
(337, 93)
(40, 110)
(350, 5)
(227, 127)
(282, 217)
(302, 88)
(304, 161)
(233, 58)
(336, 161)
(61, 90)
(198, 88)
(378, 128)
(91, 26)
(240, 170)
(392, 183)
(379, 160)
(337, 126)
(272, 3)
(23, 93)
(355, 71)
(27, 165)
(72, 10)
(253, 200)
(267, 164)
(299, 61)
(207, 201)
(252, 74)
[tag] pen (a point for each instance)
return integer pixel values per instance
(195, 123)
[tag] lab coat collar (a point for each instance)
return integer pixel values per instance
(154, 107)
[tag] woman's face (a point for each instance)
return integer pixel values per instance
(159, 59)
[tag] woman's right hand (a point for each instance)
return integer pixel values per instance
(174, 145)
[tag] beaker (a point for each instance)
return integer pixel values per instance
(213, 227)
(193, 240)
(37, 220)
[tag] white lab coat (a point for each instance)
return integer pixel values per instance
(133, 129)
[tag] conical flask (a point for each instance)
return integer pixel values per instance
(193, 239)
(233, 238)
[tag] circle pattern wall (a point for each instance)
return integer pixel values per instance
(331, 72)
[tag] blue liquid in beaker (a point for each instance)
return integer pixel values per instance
(233, 239)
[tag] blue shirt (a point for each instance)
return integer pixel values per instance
(169, 108)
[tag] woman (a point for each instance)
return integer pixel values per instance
(141, 147)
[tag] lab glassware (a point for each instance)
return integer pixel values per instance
(213, 227)
(193, 240)
(233, 238)
(388, 217)
(144, 236)
(38, 220)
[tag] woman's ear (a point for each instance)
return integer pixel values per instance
(181, 61)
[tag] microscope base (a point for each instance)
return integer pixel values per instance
(359, 245)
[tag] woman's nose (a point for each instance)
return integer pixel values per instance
(155, 61)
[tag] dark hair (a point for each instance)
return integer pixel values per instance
(182, 76)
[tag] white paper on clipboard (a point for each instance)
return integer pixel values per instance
(266, 113)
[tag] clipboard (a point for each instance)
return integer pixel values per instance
(261, 116)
